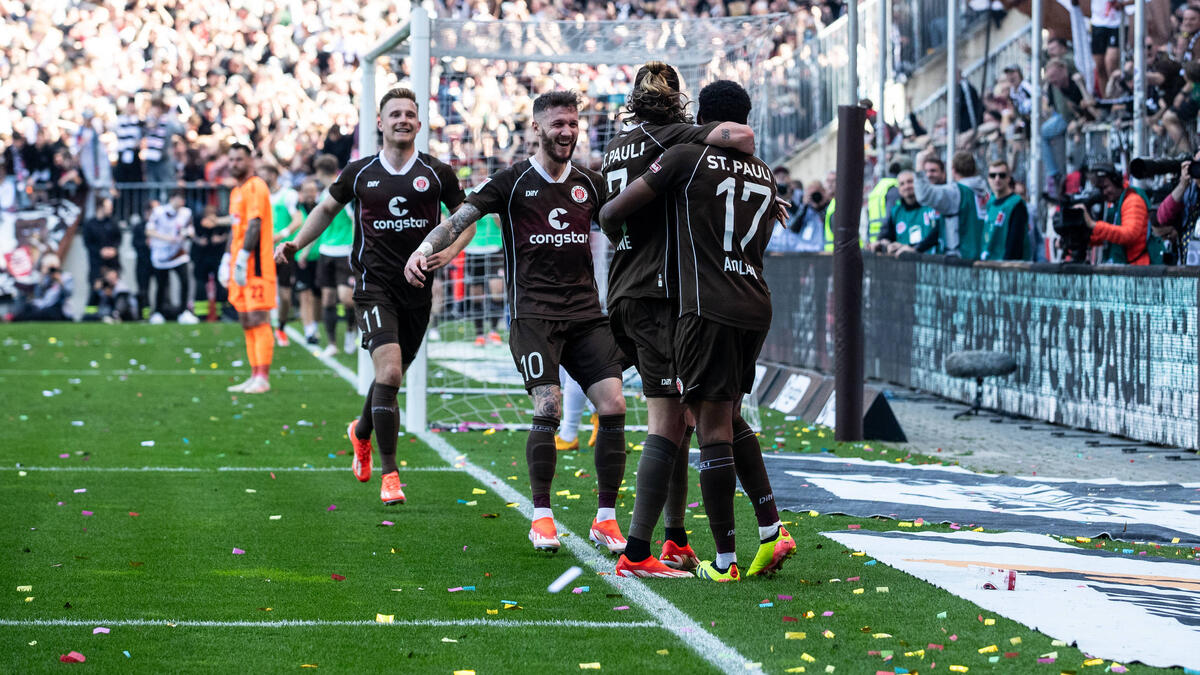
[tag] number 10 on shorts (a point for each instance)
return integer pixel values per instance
(531, 366)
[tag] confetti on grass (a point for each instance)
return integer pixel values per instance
(72, 657)
(238, 551)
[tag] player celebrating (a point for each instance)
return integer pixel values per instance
(723, 199)
(396, 195)
(546, 205)
(252, 278)
(642, 308)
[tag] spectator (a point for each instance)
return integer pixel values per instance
(48, 299)
(161, 130)
(1020, 92)
(962, 203)
(1106, 25)
(10, 192)
(934, 169)
(1006, 233)
(1181, 116)
(209, 242)
(115, 301)
(1176, 222)
(1186, 45)
(339, 145)
(970, 109)
(1066, 105)
(168, 234)
(1124, 230)
(92, 152)
(102, 239)
(880, 201)
(909, 226)
(806, 224)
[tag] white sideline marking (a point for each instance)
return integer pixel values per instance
(303, 623)
(708, 646)
(220, 469)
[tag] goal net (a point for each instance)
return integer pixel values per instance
(482, 77)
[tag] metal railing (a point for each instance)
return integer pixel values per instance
(132, 201)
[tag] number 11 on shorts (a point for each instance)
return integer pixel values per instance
(367, 318)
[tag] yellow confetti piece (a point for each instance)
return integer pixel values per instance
(959, 669)
(589, 666)
(1174, 540)
(828, 634)
(1082, 540)
(830, 669)
(309, 665)
(572, 496)
(662, 652)
(809, 614)
(797, 669)
(989, 622)
(881, 589)
(24, 589)
(880, 636)
(795, 635)
(990, 649)
(1057, 643)
(563, 493)
(808, 658)
(920, 653)
(385, 618)
(464, 672)
(1014, 640)
(903, 524)
(511, 505)
(493, 611)
(404, 462)
(858, 554)
(489, 432)
(813, 514)
(858, 591)
(478, 491)
(701, 516)
(1094, 662)
(29, 598)
(978, 529)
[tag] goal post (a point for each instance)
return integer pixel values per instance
(475, 81)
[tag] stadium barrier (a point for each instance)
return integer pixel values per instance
(1106, 348)
(132, 199)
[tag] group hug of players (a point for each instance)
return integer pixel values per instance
(689, 209)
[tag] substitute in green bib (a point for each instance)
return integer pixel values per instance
(962, 203)
(1006, 233)
(909, 226)
(285, 218)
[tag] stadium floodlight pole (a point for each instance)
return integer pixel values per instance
(880, 124)
(951, 80)
(1034, 183)
(848, 278)
(1139, 79)
(852, 50)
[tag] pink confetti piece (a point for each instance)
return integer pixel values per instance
(65, 455)
(134, 514)
(690, 506)
(783, 597)
(622, 608)
(332, 507)
(72, 657)
(99, 629)
(955, 526)
(1045, 660)
(387, 523)
(86, 513)
(853, 527)
(578, 590)
(954, 638)
(827, 614)
(455, 589)
(849, 579)
(80, 490)
(238, 551)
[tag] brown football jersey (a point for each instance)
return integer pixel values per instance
(639, 267)
(545, 223)
(725, 205)
(394, 208)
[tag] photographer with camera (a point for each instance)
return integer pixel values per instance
(1124, 228)
(1177, 216)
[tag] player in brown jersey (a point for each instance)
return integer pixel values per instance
(725, 205)
(546, 206)
(642, 308)
(396, 196)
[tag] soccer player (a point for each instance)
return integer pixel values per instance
(724, 209)
(396, 196)
(285, 213)
(643, 307)
(546, 205)
(334, 276)
(252, 277)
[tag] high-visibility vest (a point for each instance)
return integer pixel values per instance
(877, 207)
(829, 209)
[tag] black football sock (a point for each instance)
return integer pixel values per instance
(677, 535)
(674, 511)
(541, 457)
(329, 317)
(610, 459)
(751, 471)
(653, 474)
(351, 324)
(385, 415)
(717, 481)
(365, 423)
(475, 306)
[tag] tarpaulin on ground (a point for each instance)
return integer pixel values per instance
(1157, 512)
(1112, 606)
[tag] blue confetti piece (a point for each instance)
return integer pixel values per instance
(186, 441)
(468, 588)
(901, 671)
(869, 563)
(462, 501)
(509, 602)
(584, 589)
(766, 604)
(332, 456)
(1126, 550)
(126, 653)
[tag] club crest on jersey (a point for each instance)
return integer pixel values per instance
(679, 386)
(420, 183)
(655, 167)
(579, 194)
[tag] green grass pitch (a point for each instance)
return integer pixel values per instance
(97, 534)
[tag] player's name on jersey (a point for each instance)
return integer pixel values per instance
(752, 169)
(624, 153)
(740, 267)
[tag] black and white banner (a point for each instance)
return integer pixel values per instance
(1131, 511)
(1110, 605)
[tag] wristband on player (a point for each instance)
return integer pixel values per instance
(425, 249)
